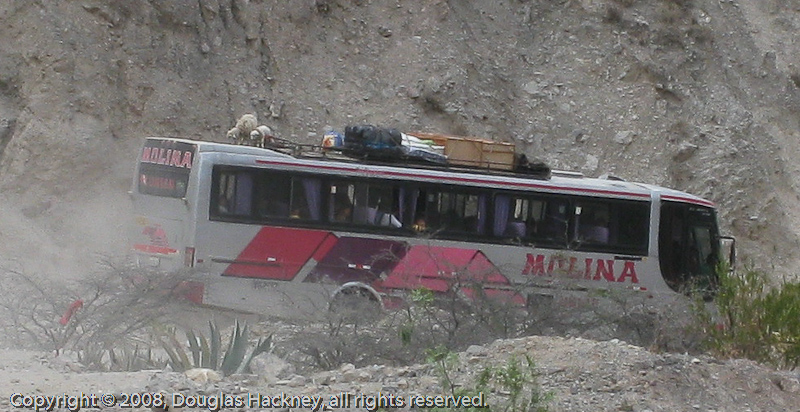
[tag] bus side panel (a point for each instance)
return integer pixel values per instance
(551, 268)
(279, 253)
(358, 259)
(276, 268)
(258, 269)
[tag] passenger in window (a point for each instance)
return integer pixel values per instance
(515, 229)
(420, 225)
(296, 214)
(387, 219)
(343, 213)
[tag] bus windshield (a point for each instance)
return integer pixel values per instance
(689, 247)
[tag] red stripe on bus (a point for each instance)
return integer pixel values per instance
(464, 179)
(278, 253)
(689, 200)
(162, 250)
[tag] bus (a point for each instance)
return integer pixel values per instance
(266, 231)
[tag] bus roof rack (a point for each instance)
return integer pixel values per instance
(520, 167)
(568, 173)
(607, 176)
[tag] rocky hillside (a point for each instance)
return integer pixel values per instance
(701, 95)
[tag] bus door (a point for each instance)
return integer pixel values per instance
(689, 247)
(159, 192)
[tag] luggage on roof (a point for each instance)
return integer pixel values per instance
(368, 141)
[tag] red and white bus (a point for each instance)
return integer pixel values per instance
(264, 230)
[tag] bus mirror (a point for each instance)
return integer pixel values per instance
(728, 244)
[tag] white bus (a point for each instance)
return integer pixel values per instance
(264, 230)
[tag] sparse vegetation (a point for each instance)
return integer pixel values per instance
(513, 386)
(753, 319)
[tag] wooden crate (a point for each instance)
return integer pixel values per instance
(474, 152)
(437, 138)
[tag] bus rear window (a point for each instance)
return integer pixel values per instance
(164, 168)
(157, 181)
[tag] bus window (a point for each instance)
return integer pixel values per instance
(234, 193)
(453, 213)
(382, 209)
(513, 218)
(306, 198)
(255, 195)
(273, 195)
(612, 226)
(159, 181)
(591, 223)
(523, 219)
(409, 203)
(424, 215)
(598, 225)
(340, 202)
(688, 247)
(554, 224)
(165, 167)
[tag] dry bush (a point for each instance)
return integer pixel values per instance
(431, 321)
(403, 336)
(663, 323)
(113, 310)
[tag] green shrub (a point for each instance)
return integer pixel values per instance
(515, 385)
(754, 320)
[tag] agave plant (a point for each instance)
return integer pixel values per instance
(206, 352)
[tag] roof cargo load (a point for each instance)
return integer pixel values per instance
(473, 151)
(485, 154)
(372, 143)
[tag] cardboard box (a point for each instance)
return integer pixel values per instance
(474, 152)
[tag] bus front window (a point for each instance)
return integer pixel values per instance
(688, 247)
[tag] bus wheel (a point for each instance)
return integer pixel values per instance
(356, 304)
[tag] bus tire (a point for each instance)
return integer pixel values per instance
(354, 301)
